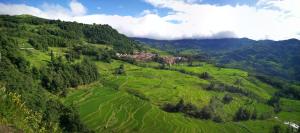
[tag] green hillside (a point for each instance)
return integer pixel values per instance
(278, 59)
(78, 84)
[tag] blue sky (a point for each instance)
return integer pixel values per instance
(173, 19)
(121, 7)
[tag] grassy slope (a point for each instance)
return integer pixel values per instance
(107, 105)
(230, 76)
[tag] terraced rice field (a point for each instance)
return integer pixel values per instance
(230, 76)
(109, 107)
(107, 110)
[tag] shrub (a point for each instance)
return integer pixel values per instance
(169, 107)
(227, 99)
(242, 114)
(120, 70)
(180, 106)
(275, 103)
(277, 129)
(206, 113)
(205, 75)
(265, 115)
(218, 119)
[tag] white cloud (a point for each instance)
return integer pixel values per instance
(16, 9)
(77, 8)
(275, 19)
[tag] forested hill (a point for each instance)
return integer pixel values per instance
(264, 57)
(273, 58)
(205, 45)
(34, 74)
(42, 33)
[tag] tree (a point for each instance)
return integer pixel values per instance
(70, 121)
(169, 108)
(121, 69)
(180, 105)
(105, 56)
(277, 129)
(254, 114)
(242, 114)
(37, 44)
(52, 56)
(218, 119)
(72, 55)
(206, 113)
(35, 73)
(238, 82)
(211, 86)
(275, 102)
(227, 99)
(189, 108)
(205, 75)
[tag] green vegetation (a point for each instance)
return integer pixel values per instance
(77, 84)
(278, 59)
(24, 96)
(42, 33)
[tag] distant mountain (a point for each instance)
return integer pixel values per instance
(207, 45)
(274, 58)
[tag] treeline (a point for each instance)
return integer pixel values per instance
(42, 33)
(105, 55)
(216, 85)
(58, 75)
(285, 88)
(211, 111)
(221, 87)
(18, 77)
(207, 112)
(214, 110)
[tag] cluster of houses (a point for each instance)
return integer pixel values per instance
(138, 56)
(146, 56)
(170, 60)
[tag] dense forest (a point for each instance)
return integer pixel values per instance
(42, 33)
(19, 78)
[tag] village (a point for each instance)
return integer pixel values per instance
(147, 56)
